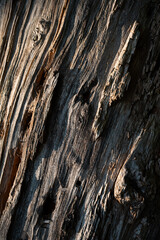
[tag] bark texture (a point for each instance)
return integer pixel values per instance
(79, 119)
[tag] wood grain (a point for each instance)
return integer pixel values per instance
(79, 119)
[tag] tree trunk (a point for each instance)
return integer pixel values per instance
(79, 119)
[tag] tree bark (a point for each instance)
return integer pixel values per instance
(79, 119)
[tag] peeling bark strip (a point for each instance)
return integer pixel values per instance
(79, 120)
(118, 80)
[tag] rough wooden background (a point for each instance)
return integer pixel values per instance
(79, 119)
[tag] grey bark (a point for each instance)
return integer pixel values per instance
(79, 119)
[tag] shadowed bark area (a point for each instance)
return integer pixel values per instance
(79, 120)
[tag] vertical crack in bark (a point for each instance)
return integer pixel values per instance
(10, 171)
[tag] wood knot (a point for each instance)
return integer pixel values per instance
(40, 31)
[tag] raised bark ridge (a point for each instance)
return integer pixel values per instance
(79, 119)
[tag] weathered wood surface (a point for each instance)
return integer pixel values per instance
(79, 119)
